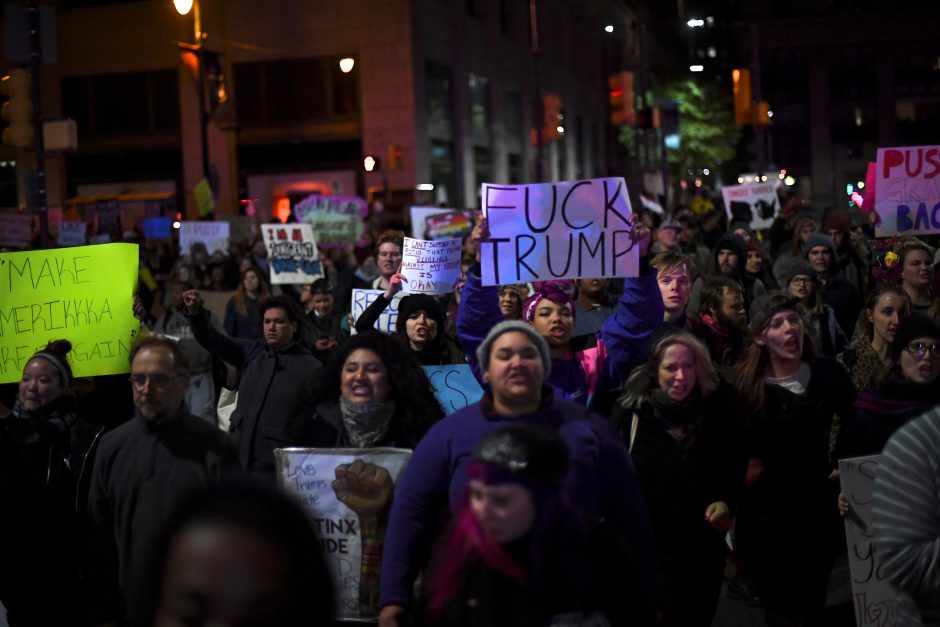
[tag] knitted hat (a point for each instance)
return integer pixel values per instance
(525, 453)
(484, 349)
(819, 240)
(739, 224)
(321, 286)
(797, 268)
(913, 326)
(670, 223)
(766, 306)
(553, 291)
(55, 353)
(417, 302)
(837, 220)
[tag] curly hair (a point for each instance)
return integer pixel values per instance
(408, 386)
(644, 379)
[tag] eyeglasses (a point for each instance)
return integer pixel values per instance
(801, 280)
(919, 350)
(158, 380)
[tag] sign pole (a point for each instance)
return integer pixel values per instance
(39, 189)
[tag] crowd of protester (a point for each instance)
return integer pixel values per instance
(628, 428)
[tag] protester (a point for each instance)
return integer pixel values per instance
(510, 303)
(518, 554)
(667, 237)
(277, 378)
(420, 325)
(905, 503)
(836, 291)
(388, 253)
(516, 364)
(917, 273)
(324, 321)
(827, 332)
(906, 388)
(804, 227)
(675, 273)
(852, 255)
(721, 321)
(686, 444)
(242, 318)
(787, 526)
(728, 259)
(593, 305)
(142, 468)
(883, 311)
(45, 456)
(239, 556)
(757, 267)
(373, 393)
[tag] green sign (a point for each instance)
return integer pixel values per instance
(83, 294)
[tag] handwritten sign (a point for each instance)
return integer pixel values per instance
(558, 231)
(875, 600)
(348, 494)
(72, 233)
(292, 253)
(387, 322)
(434, 223)
(760, 200)
(430, 267)
(336, 220)
(83, 294)
(907, 190)
(16, 229)
(454, 386)
(109, 220)
(213, 234)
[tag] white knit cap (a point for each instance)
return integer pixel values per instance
(484, 349)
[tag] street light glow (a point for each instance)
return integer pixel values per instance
(560, 129)
(369, 163)
(183, 7)
(609, 28)
(346, 64)
(697, 68)
(694, 23)
(424, 187)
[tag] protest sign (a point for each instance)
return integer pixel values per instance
(454, 386)
(213, 234)
(430, 267)
(157, 228)
(84, 294)
(552, 231)
(16, 229)
(387, 322)
(755, 203)
(109, 220)
(348, 494)
(874, 598)
(434, 223)
(907, 191)
(205, 203)
(292, 253)
(72, 233)
(54, 217)
(336, 220)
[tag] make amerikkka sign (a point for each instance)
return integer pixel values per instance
(907, 191)
(550, 231)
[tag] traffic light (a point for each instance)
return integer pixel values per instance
(396, 154)
(743, 105)
(17, 110)
(622, 99)
(553, 125)
(763, 114)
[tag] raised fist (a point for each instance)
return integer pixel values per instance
(364, 488)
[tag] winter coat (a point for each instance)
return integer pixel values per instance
(880, 411)
(443, 351)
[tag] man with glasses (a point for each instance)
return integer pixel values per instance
(141, 470)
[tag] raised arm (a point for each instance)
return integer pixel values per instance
(231, 350)
(479, 305)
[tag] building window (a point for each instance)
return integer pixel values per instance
(111, 105)
(513, 116)
(479, 90)
(442, 170)
(514, 167)
(482, 168)
(438, 91)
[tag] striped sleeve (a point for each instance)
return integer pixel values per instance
(906, 513)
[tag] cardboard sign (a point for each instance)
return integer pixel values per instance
(16, 229)
(336, 220)
(558, 231)
(761, 203)
(213, 234)
(83, 294)
(454, 386)
(348, 494)
(907, 191)
(292, 253)
(72, 233)
(434, 223)
(109, 220)
(387, 322)
(157, 228)
(430, 267)
(875, 599)
(205, 203)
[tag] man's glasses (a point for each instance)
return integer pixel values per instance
(158, 380)
(919, 350)
(801, 280)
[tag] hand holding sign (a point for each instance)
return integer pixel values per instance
(192, 301)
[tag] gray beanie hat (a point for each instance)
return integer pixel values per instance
(484, 349)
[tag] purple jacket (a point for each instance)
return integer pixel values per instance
(601, 482)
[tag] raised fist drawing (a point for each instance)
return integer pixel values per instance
(364, 488)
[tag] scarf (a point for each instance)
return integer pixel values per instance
(683, 419)
(366, 423)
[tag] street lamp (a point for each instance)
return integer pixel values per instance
(183, 7)
(694, 23)
(346, 64)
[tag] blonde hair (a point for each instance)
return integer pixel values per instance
(666, 262)
(645, 378)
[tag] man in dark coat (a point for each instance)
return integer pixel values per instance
(141, 471)
(277, 378)
(728, 260)
(836, 291)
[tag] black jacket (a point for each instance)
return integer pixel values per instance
(275, 388)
